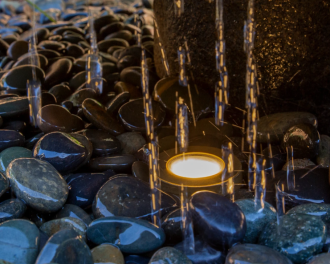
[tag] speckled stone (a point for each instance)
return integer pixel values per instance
(65, 247)
(119, 230)
(169, 255)
(298, 164)
(19, 240)
(323, 157)
(255, 254)
(11, 209)
(107, 254)
(256, 218)
(320, 259)
(10, 138)
(320, 210)
(33, 181)
(298, 236)
(53, 226)
(73, 211)
(9, 154)
(4, 184)
(131, 142)
(128, 196)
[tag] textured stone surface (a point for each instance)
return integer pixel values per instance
(169, 254)
(11, 209)
(107, 254)
(131, 142)
(320, 210)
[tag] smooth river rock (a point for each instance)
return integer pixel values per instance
(131, 142)
(107, 254)
(9, 154)
(14, 106)
(10, 138)
(320, 210)
(73, 211)
(4, 184)
(11, 209)
(169, 255)
(118, 163)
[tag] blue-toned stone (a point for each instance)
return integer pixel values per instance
(73, 211)
(4, 184)
(11, 209)
(136, 259)
(119, 230)
(256, 218)
(38, 184)
(10, 138)
(19, 240)
(255, 254)
(321, 210)
(219, 221)
(9, 154)
(29, 143)
(65, 247)
(128, 196)
(298, 237)
(320, 259)
(169, 255)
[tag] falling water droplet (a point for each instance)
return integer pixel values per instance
(182, 125)
(290, 169)
(162, 51)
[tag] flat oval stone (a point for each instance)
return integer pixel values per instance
(140, 170)
(9, 154)
(83, 187)
(298, 237)
(38, 184)
(52, 45)
(107, 254)
(29, 143)
(11, 209)
(61, 150)
(104, 143)
(17, 125)
(66, 246)
(25, 60)
(132, 115)
(132, 75)
(57, 118)
(320, 210)
(121, 87)
(104, 45)
(58, 72)
(17, 49)
(118, 163)
(10, 138)
(128, 196)
(61, 92)
(53, 226)
(118, 230)
(78, 97)
(111, 28)
(114, 105)
(170, 255)
(73, 211)
(131, 142)
(277, 124)
(253, 254)
(14, 106)
(4, 184)
(219, 221)
(320, 259)
(256, 218)
(96, 113)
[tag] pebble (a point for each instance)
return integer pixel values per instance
(121, 87)
(114, 105)
(29, 143)
(298, 164)
(256, 218)
(169, 255)
(118, 231)
(9, 154)
(73, 211)
(57, 72)
(53, 226)
(61, 150)
(10, 138)
(61, 92)
(131, 142)
(118, 163)
(219, 221)
(255, 254)
(18, 126)
(96, 113)
(323, 158)
(4, 184)
(277, 124)
(77, 80)
(130, 197)
(11, 209)
(320, 259)
(171, 224)
(19, 242)
(33, 181)
(107, 254)
(25, 60)
(136, 259)
(132, 115)
(298, 237)
(320, 210)
(17, 49)
(140, 170)
(132, 75)
(14, 106)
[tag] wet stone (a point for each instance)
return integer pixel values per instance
(14, 106)
(17, 49)
(323, 157)
(53, 226)
(19, 240)
(78, 97)
(118, 230)
(25, 60)
(10, 138)
(253, 254)
(52, 45)
(320, 210)
(118, 163)
(103, 142)
(58, 72)
(73, 211)
(304, 139)
(107, 254)
(84, 186)
(131, 142)
(104, 45)
(33, 181)
(136, 259)
(132, 75)
(61, 92)
(298, 237)
(96, 113)
(256, 218)
(57, 118)
(67, 247)
(9, 154)
(169, 254)
(220, 222)
(61, 150)
(18, 126)
(171, 224)
(11, 209)
(4, 184)
(277, 124)
(140, 170)
(29, 143)
(128, 196)
(121, 87)
(132, 115)
(114, 105)
(47, 98)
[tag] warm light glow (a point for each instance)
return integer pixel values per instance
(195, 166)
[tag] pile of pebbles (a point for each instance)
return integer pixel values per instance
(75, 190)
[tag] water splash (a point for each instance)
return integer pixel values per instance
(260, 189)
(182, 64)
(290, 176)
(182, 126)
(228, 171)
(280, 202)
(94, 68)
(270, 155)
(162, 51)
(219, 104)
(178, 7)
